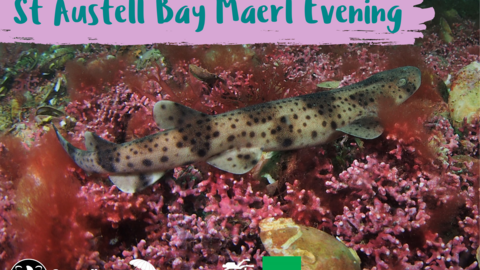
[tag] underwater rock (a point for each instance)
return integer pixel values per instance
(445, 31)
(452, 16)
(49, 110)
(147, 58)
(329, 84)
(319, 250)
(55, 59)
(45, 114)
(464, 100)
(203, 74)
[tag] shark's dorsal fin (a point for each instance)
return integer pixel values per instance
(168, 115)
(365, 128)
(237, 161)
(131, 183)
(93, 142)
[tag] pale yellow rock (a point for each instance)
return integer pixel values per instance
(464, 99)
(319, 250)
(478, 257)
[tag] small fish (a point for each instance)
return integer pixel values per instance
(234, 141)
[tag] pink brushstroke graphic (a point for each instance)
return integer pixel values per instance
(297, 22)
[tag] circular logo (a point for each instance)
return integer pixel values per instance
(29, 264)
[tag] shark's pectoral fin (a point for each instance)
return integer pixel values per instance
(131, 183)
(168, 115)
(93, 142)
(237, 161)
(365, 128)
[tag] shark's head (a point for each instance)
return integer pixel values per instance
(400, 83)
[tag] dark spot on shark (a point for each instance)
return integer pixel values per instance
(164, 159)
(147, 162)
(287, 142)
(106, 162)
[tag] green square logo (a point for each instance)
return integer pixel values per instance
(282, 263)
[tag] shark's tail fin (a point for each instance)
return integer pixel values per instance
(69, 148)
(90, 162)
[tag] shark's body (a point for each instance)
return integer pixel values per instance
(234, 141)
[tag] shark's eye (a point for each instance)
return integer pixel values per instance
(401, 82)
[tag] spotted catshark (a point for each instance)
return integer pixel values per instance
(234, 141)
